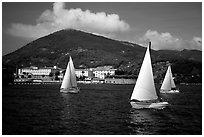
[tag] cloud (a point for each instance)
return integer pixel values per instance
(60, 18)
(168, 41)
(196, 43)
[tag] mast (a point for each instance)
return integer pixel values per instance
(150, 47)
(66, 80)
(172, 81)
(144, 88)
(72, 72)
(168, 82)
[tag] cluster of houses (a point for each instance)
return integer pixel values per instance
(55, 74)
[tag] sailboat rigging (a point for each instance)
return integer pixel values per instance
(144, 94)
(168, 85)
(69, 83)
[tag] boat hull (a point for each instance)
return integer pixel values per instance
(142, 105)
(70, 90)
(169, 91)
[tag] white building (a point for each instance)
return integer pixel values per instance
(81, 72)
(99, 72)
(102, 72)
(36, 71)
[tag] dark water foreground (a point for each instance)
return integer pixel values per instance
(97, 110)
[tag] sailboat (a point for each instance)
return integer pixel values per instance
(69, 83)
(168, 85)
(144, 94)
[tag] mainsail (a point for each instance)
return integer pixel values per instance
(69, 79)
(144, 88)
(168, 82)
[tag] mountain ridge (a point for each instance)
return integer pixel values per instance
(89, 50)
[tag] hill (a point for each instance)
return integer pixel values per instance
(89, 50)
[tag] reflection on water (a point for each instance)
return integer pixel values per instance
(69, 114)
(141, 121)
(97, 110)
(66, 107)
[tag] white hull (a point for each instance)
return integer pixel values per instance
(141, 105)
(169, 91)
(70, 90)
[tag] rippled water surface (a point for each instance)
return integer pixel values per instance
(99, 109)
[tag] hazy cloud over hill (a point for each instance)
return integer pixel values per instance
(109, 25)
(167, 41)
(61, 18)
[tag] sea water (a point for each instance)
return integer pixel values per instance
(99, 109)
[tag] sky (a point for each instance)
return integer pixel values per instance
(168, 25)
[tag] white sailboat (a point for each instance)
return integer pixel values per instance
(69, 83)
(168, 85)
(144, 94)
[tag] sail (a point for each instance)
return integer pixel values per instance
(166, 85)
(72, 73)
(66, 80)
(172, 81)
(144, 88)
(69, 79)
(168, 82)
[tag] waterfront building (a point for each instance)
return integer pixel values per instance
(102, 72)
(119, 81)
(55, 73)
(99, 72)
(36, 72)
(82, 72)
